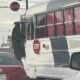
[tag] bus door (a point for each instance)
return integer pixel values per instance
(29, 37)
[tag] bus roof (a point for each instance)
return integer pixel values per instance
(37, 9)
(50, 6)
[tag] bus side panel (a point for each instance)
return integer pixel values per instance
(61, 56)
(44, 58)
(52, 60)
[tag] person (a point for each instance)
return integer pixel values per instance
(18, 40)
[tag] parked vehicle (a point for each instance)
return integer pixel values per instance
(10, 68)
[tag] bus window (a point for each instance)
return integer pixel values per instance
(68, 21)
(59, 23)
(50, 24)
(30, 30)
(41, 26)
(77, 19)
(41, 20)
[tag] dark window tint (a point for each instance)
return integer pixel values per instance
(30, 30)
(75, 61)
(41, 32)
(6, 59)
(41, 29)
(41, 19)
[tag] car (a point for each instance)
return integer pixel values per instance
(11, 68)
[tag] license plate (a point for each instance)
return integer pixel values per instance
(2, 77)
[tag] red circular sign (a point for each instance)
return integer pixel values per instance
(15, 6)
(36, 46)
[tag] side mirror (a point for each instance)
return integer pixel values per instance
(75, 61)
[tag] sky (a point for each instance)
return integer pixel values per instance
(7, 18)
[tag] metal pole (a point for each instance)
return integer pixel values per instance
(26, 4)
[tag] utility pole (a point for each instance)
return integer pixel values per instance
(26, 4)
(22, 17)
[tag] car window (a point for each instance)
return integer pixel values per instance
(6, 59)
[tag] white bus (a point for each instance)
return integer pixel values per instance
(53, 35)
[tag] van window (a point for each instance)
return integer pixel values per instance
(41, 29)
(30, 30)
(41, 19)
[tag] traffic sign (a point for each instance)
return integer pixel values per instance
(15, 6)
